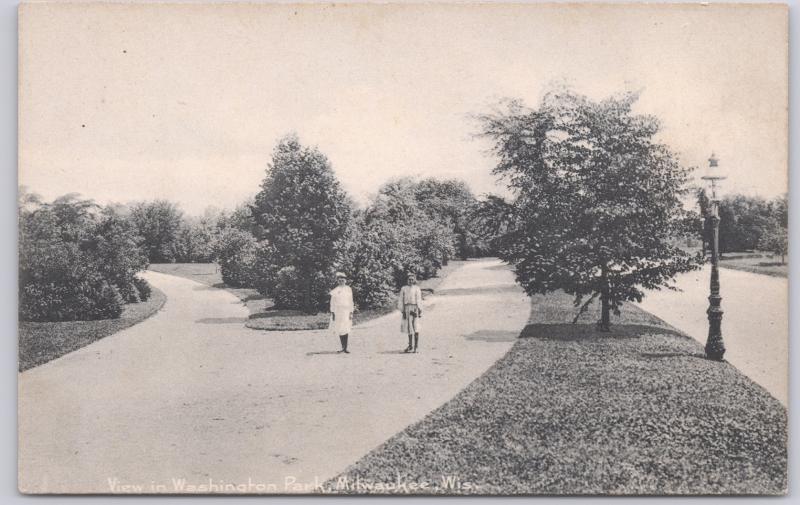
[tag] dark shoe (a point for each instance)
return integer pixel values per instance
(408, 349)
(340, 351)
(346, 351)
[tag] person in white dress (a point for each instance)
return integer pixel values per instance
(342, 310)
(409, 302)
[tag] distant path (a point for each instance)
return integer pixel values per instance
(192, 394)
(755, 325)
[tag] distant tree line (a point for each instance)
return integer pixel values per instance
(78, 260)
(747, 223)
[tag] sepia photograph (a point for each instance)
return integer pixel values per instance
(402, 248)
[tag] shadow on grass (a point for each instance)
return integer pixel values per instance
(569, 331)
(394, 352)
(222, 320)
(320, 353)
(493, 336)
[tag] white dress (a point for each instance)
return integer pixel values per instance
(342, 307)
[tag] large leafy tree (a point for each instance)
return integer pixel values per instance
(450, 202)
(597, 200)
(302, 212)
(158, 223)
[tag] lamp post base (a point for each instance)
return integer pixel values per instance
(715, 348)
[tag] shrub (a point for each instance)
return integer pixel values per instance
(158, 223)
(87, 299)
(291, 289)
(236, 253)
(107, 302)
(74, 262)
(143, 288)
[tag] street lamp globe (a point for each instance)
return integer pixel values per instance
(714, 177)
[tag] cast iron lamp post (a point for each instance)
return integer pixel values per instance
(715, 349)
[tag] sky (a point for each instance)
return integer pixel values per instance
(122, 102)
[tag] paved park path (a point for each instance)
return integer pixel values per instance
(191, 395)
(755, 325)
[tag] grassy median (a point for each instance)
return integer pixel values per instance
(572, 411)
(263, 314)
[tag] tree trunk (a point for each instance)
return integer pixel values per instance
(605, 311)
(307, 295)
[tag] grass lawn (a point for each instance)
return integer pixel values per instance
(209, 274)
(756, 263)
(262, 314)
(572, 411)
(43, 342)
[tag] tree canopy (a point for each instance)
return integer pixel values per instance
(302, 213)
(596, 199)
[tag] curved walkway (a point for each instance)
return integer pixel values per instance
(192, 396)
(755, 323)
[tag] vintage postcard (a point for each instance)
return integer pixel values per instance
(393, 248)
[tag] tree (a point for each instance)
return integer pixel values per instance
(491, 219)
(775, 239)
(235, 251)
(450, 202)
(597, 201)
(421, 241)
(194, 242)
(775, 235)
(75, 262)
(158, 223)
(302, 213)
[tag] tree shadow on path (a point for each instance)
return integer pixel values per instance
(222, 320)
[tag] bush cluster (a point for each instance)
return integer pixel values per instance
(77, 261)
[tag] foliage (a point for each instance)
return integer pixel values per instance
(775, 239)
(159, 224)
(596, 200)
(241, 217)
(490, 219)
(370, 256)
(143, 288)
(746, 222)
(303, 214)
(112, 244)
(75, 262)
(451, 202)
(194, 242)
(290, 288)
(413, 239)
(235, 251)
